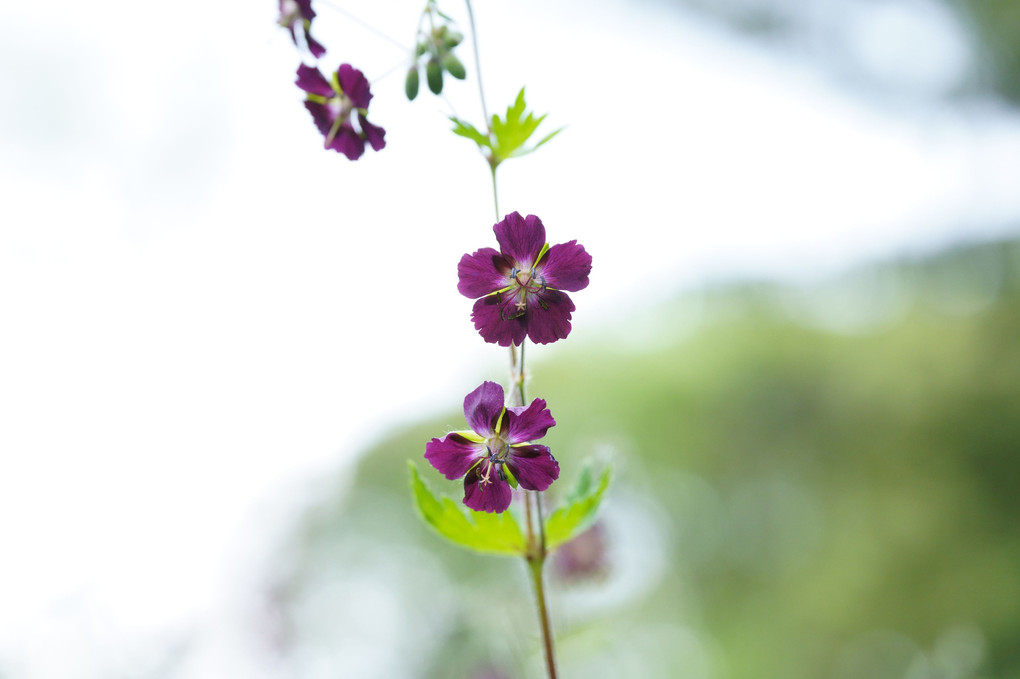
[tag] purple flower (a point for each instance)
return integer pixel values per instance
(521, 286)
(332, 105)
(494, 456)
(295, 11)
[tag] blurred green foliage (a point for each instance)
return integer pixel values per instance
(789, 500)
(992, 25)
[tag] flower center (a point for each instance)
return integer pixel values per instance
(528, 279)
(497, 451)
(340, 107)
(289, 11)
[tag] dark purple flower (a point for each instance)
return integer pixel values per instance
(332, 105)
(494, 456)
(521, 286)
(294, 12)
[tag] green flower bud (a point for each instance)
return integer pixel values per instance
(453, 66)
(452, 39)
(434, 75)
(411, 83)
(420, 49)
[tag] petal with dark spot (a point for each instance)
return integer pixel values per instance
(527, 424)
(534, 467)
(454, 454)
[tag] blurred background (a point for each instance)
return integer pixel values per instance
(219, 344)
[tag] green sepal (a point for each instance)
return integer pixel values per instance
(541, 253)
(497, 534)
(577, 511)
(510, 478)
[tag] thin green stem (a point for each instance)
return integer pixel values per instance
(364, 24)
(495, 192)
(536, 543)
(478, 66)
(535, 567)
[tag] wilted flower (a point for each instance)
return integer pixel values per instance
(332, 105)
(521, 286)
(494, 456)
(300, 12)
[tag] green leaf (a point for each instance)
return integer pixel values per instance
(507, 136)
(578, 510)
(469, 131)
(477, 531)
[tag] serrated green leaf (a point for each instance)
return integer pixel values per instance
(477, 531)
(512, 132)
(578, 510)
(469, 131)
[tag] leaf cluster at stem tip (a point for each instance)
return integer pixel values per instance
(501, 534)
(507, 136)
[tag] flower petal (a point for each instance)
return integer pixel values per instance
(454, 454)
(492, 324)
(314, 46)
(490, 494)
(482, 272)
(321, 115)
(305, 7)
(566, 267)
(522, 424)
(534, 467)
(548, 317)
(348, 142)
(483, 406)
(311, 80)
(354, 85)
(374, 133)
(520, 238)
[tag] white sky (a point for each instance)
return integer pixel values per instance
(201, 310)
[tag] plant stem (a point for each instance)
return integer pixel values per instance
(536, 549)
(478, 66)
(535, 564)
(495, 193)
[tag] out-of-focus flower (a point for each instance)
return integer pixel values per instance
(583, 557)
(299, 12)
(521, 286)
(333, 104)
(494, 455)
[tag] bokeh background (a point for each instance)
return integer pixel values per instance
(219, 344)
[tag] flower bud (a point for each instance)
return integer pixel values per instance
(452, 39)
(411, 83)
(453, 66)
(434, 75)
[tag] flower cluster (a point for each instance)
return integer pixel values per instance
(520, 294)
(333, 104)
(496, 455)
(520, 288)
